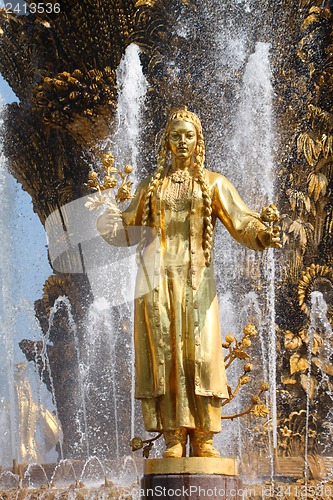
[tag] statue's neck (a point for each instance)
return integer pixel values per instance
(180, 164)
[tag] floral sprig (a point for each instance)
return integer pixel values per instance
(237, 351)
(137, 444)
(257, 407)
(107, 182)
(270, 215)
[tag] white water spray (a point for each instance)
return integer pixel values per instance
(7, 324)
(318, 323)
(250, 168)
(132, 87)
(100, 320)
(256, 129)
(253, 139)
(112, 285)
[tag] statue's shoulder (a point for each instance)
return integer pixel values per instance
(144, 183)
(215, 179)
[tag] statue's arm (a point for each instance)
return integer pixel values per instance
(123, 228)
(242, 223)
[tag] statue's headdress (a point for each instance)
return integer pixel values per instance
(182, 113)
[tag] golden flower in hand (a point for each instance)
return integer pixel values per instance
(246, 343)
(136, 443)
(124, 193)
(270, 214)
(107, 160)
(128, 169)
(264, 386)
(250, 331)
(109, 182)
(93, 183)
(92, 175)
(229, 338)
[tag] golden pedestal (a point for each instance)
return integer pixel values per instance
(195, 478)
(191, 465)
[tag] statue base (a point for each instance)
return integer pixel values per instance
(195, 478)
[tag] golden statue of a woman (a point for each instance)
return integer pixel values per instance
(180, 374)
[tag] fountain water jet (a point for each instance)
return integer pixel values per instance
(132, 87)
(318, 323)
(250, 156)
(124, 144)
(7, 324)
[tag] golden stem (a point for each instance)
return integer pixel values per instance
(153, 439)
(232, 395)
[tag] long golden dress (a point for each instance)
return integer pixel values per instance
(180, 373)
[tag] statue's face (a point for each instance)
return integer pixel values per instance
(182, 139)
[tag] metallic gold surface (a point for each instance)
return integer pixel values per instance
(180, 372)
(30, 416)
(315, 277)
(192, 465)
(107, 182)
(27, 416)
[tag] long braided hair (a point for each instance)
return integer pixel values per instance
(181, 114)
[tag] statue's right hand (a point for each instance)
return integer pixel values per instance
(107, 221)
(112, 215)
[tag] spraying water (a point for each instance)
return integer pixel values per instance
(318, 323)
(249, 165)
(132, 87)
(113, 284)
(7, 324)
(251, 146)
(255, 129)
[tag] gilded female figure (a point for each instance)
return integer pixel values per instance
(180, 374)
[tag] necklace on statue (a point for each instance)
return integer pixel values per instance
(179, 175)
(178, 191)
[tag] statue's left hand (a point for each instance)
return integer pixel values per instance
(270, 214)
(270, 237)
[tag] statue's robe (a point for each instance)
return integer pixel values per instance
(180, 373)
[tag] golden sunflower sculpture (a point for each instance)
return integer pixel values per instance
(315, 278)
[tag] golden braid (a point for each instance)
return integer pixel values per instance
(208, 225)
(161, 160)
